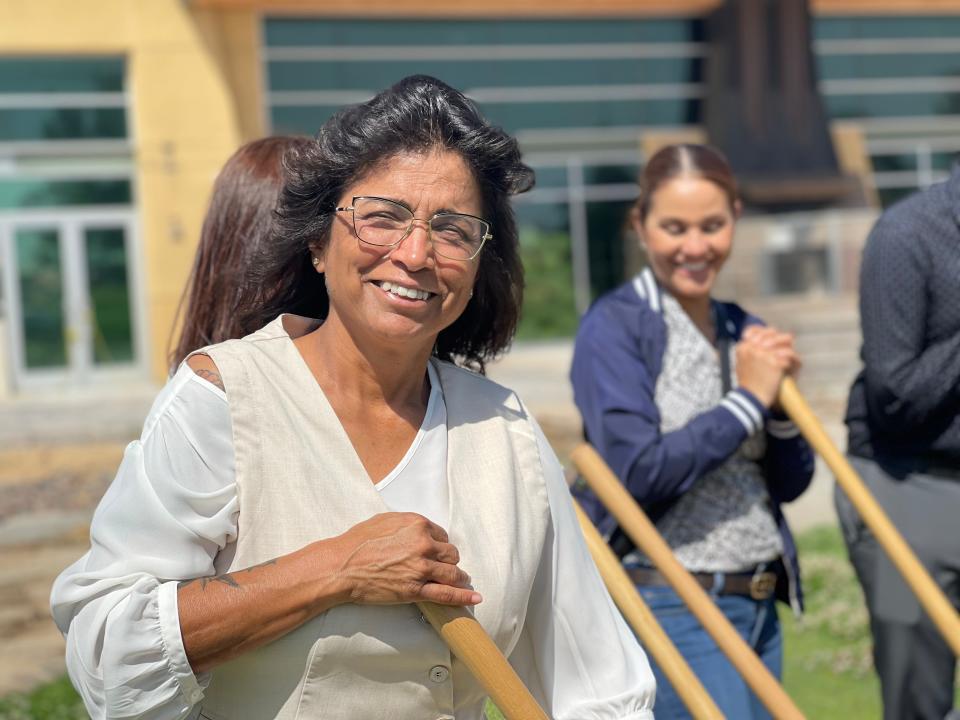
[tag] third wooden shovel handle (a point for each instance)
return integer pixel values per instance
(931, 597)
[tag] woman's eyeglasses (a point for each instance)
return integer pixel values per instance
(385, 223)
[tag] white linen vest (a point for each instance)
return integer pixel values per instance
(299, 480)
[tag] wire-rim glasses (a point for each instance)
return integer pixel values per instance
(385, 223)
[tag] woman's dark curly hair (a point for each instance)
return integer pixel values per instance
(418, 114)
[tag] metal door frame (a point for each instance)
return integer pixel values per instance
(70, 224)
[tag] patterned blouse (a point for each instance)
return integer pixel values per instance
(724, 523)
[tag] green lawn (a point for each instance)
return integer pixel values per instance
(827, 666)
(827, 659)
(54, 701)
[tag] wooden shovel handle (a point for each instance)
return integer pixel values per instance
(929, 594)
(469, 641)
(638, 527)
(642, 620)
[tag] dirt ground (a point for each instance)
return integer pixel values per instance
(46, 497)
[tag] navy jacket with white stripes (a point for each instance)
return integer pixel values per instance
(618, 356)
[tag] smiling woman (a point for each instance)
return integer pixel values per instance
(677, 392)
(395, 281)
(261, 550)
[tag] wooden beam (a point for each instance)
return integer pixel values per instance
(554, 9)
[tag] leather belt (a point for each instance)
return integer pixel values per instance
(757, 585)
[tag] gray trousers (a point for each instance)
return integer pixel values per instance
(915, 665)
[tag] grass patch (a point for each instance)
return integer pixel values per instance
(827, 665)
(493, 712)
(53, 701)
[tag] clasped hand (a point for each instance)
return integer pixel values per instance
(764, 357)
(401, 558)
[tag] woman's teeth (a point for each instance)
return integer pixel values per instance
(694, 267)
(411, 293)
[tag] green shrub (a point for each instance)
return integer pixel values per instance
(549, 309)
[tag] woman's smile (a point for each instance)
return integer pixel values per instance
(405, 294)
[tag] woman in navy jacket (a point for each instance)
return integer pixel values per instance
(678, 393)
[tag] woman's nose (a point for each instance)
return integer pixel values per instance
(694, 244)
(415, 249)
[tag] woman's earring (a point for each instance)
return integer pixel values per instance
(316, 261)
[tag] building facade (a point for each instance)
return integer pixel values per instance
(115, 116)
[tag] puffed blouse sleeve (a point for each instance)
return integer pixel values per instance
(576, 652)
(170, 509)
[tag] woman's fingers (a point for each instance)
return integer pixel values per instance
(437, 532)
(789, 360)
(395, 556)
(446, 595)
(446, 553)
(767, 337)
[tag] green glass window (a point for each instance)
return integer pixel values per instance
(61, 98)
(551, 177)
(946, 65)
(945, 160)
(893, 105)
(282, 32)
(374, 76)
(515, 117)
(62, 123)
(109, 296)
(39, 269)
(899, 26)
(548, 74)
(894, 163)
(33, 193)
(72, 74)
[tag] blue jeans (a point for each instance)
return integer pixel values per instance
(757, 623)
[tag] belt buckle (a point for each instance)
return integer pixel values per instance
(762, 585)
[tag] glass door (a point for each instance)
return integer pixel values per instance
(108, 303)
(70, 298)
(39, 269)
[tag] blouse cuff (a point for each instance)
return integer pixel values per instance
(191, 686)
(622, 707)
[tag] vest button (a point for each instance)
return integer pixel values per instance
(439, 673)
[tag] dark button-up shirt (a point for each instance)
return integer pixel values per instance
(905, 403)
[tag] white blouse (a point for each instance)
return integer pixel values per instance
(173, 506)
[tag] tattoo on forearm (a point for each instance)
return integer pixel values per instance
(212, 377)
(204, 581)
(226, 579)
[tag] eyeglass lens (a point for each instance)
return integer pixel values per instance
(384, 223)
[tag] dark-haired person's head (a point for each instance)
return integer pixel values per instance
(418, 122)
(240, 219)
(685, 217)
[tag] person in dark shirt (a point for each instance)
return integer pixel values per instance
(903, 419)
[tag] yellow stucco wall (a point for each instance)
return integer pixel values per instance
(193, 79)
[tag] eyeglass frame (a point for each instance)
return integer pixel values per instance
(413, 218)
